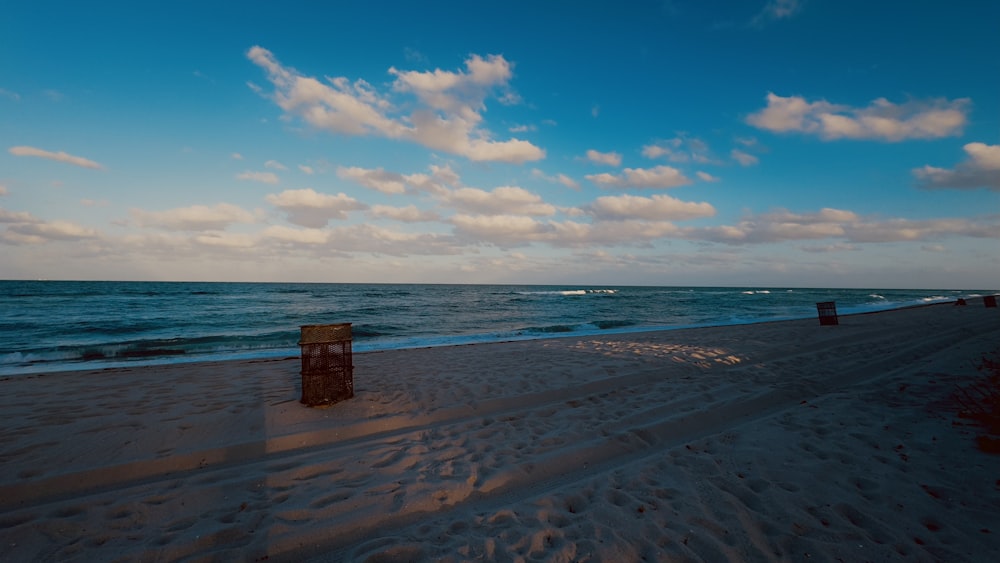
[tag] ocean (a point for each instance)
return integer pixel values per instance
(50, 326)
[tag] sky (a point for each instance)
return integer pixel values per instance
(777, 143)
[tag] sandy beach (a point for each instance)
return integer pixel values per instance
(785, 441)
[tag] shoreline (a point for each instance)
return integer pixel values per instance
(758, 442)
(365, 346)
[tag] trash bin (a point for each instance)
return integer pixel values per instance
(990, 300)
(827, 313)
(327, 370)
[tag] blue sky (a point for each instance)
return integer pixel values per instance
(762, 143)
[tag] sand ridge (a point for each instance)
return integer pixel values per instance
(776, 441)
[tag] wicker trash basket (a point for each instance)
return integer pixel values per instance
(327, 370)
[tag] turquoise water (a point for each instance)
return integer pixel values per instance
(59, 325)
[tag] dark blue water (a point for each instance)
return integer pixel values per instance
(59, 325)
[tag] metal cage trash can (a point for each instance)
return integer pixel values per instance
(327, 369)
(827, 313)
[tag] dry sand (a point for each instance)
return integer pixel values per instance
(783, 441)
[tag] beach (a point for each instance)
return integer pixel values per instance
(779, 441)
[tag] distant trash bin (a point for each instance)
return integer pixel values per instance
(990, 300)
(827, 313)
(327, 370)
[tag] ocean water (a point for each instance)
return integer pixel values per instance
(63, 325)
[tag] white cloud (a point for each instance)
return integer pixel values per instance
(376, 179)
(510, 98)
(11, 238)
(505, 200)
(557, 179)
(57, 156)
(897, 230)
(744, 158)
(609, 158)
(880, 120)
(308, 208)
(776, 10)
(274, 164)
(37, 232)
(628, 232)
(501, 229)
(448, 118)
(507, 231)
(445, 175)
(16, 217)
(10, 95)
(655, 151)
(980, 169)
(835, 247)
(340, 107)
(265, 177)
(307, 170)
(826, 214)
(236, 156)
(455, 134)
(783, 225)
(414, 56)
(408, 214)
(706, 177)
(567, 181)
(3, 190)
(224, 240)
(655, 208)
(656, 177)
(436, 183)
(450, 91)
(375, 239)
(680, 149)
(193, 218)
(983, 156)
(284, 234)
